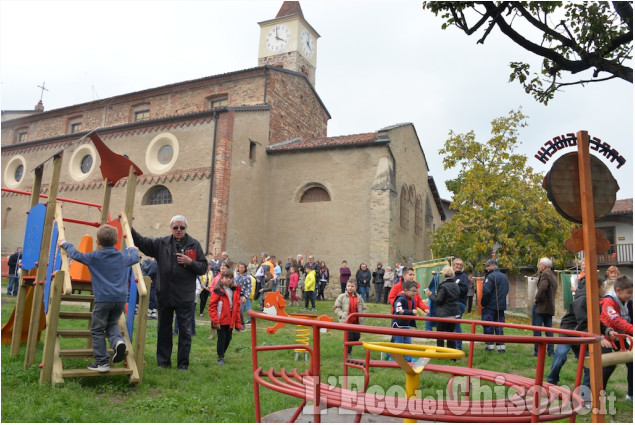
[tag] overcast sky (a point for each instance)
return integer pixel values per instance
(378, 63)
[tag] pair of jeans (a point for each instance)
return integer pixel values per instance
(244, 308)
(152, 304)
(491, 315)
(364, 292)
(185, 318)
(403, 340)
(378, 290)
(457, 326)
(12, 287)
(559, 359)
(542, 319)
(430, 325)
(105, 321)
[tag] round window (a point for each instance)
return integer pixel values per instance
(162, 153)
(82, 162)
(14, 171)
(165, 154)
(87, 164)
(19, 171)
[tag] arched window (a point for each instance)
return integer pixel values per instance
(403, 208)
(315, 194)
(157, 195)
(419, 217)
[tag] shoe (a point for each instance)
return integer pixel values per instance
(221, 362)
(99, 368)
(629, 398)
(313, 309)
(502, 351)
(303, 309)
(200, 315)
(120, 352)
(489, 348)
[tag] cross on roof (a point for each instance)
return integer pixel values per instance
(43, 88)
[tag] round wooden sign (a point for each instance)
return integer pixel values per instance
(562, 183)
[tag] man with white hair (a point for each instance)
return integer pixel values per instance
(545, 301)
(180, 259)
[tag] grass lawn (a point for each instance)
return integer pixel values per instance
(210, 393)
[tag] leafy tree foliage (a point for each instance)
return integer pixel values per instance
(501, 206)
(571, 37)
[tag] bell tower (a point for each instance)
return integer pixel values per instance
(289, 41)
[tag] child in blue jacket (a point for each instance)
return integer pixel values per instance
(109, 273)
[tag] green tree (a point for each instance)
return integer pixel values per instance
(501, 206)
(571, 37)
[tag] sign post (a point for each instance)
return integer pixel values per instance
(588, 231)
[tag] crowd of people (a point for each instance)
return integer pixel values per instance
(181, 276)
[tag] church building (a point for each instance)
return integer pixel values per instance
(244, 156)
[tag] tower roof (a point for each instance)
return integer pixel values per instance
(290, 8)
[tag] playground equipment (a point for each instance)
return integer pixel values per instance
(526, 398)
(274, 304)
(624, 353)
(47, 279)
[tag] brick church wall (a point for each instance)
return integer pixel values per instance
(296, 111)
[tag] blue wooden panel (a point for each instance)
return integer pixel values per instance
(33, 236)
(50, 267)
(132, 303)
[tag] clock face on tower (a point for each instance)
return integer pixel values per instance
(308, 47)
(277, 38)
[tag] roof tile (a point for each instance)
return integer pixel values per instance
(622, 206)
(326, 142)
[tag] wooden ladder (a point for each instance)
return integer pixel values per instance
(53, 370)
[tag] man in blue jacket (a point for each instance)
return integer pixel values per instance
(494, 302)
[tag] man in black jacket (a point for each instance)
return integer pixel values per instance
(180, 259)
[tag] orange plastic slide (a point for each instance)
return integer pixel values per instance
(7, 328)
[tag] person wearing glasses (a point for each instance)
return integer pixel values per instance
(180, 259)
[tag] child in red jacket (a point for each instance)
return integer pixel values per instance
(224, 312)
(617, 313)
